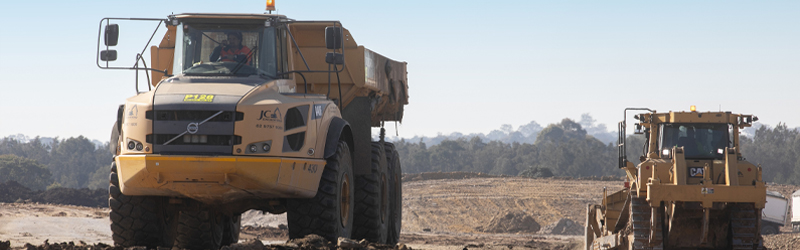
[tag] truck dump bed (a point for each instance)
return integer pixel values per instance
(365, 73)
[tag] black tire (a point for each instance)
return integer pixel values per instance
(233, 226)
(395, 194)
(330, 213)
(135, 220)
(371, 220)
(768, 229)
(199, 229)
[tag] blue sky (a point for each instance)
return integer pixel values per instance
(472, 65)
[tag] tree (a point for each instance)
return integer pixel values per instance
(25, 171)
(75, 161)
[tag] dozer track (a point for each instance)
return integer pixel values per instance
(640, 223)
(744, 227)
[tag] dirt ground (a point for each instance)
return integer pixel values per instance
(440, 211)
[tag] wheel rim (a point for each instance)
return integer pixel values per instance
(344, 202)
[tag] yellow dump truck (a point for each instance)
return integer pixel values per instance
(253, 111)
(692, 190)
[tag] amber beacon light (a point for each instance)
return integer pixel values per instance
(270, 4)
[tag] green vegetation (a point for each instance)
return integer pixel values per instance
(70, 163)
(565, 149)
(562, 149)
(24, 170)
(778, 152)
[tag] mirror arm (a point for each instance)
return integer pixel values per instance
(288, 30)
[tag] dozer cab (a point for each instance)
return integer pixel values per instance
(692, 190)
(253, 111)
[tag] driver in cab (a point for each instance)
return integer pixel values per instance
(231, 50)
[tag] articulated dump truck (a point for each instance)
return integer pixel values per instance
(692, 190)
(254, 111)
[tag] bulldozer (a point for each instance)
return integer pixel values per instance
(253, 111)
(693, 188)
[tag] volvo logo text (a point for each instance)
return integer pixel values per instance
(192, 128)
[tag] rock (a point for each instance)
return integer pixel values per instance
(347, 243)
(312, 241)
(248, 245)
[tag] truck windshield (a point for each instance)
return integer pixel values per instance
(225, 50)
(699, 140)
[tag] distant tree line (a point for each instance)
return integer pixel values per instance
(74, 163)
(565, 149)
(562, 149)
(777, 150)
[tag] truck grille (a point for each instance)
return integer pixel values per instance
(213, 137)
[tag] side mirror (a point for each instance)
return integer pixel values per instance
(638, 129)
(334, 58)
(112, 35)
(333, 37)
(108, 55)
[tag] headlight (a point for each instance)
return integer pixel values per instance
(665, 153)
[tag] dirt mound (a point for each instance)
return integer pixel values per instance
(469, 175)
(79, 197)
(72, 246)
(563, 226)
(266, 232)
(445, 175)
(511, 222)
(249, 245)
(782, 241)
(11, 191)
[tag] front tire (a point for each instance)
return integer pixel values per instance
(329, 213)
(135, 220)
(199, 229)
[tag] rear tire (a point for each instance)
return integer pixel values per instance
(371, 220)
(329, 213)
(233, 225)
(135, 220)
(395, 194)
(768, 229)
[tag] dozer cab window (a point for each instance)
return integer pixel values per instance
(699, 140)
(226, 50)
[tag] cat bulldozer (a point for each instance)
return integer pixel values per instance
(692, 189)
(253, 111)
